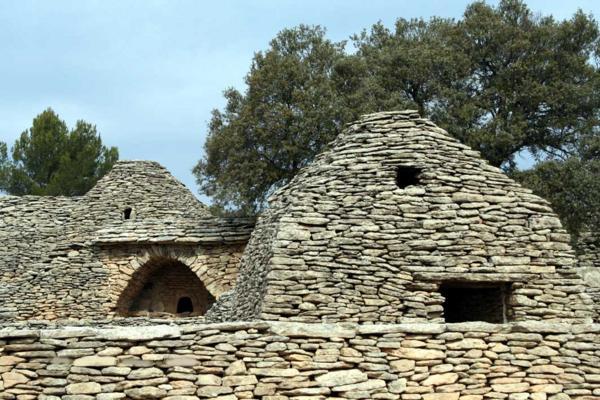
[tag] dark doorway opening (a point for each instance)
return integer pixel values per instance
(127, 213)
(184, 305)
(407, 175)
(470, 301)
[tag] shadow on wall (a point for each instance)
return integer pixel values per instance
(164, 286)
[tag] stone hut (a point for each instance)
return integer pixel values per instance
(396, 222)
(397, 265)
(139, 242)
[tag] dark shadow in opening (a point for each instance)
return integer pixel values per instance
(184, 305)
(164, 286)
(407, 176)
(476, 301)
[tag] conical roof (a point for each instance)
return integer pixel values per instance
(149, 189)
(395, 209)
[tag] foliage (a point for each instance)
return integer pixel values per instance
(571, 185)
(501, 79)
(289, 112)
(413, 67)
(48, 159)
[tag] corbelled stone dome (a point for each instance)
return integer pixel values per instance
(397, 221)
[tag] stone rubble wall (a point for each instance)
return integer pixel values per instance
(286, 360)
(31, 230)
(342, 242)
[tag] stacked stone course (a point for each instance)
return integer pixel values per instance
(284, 360)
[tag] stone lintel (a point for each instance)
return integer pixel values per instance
(472, 277)
(477, 326)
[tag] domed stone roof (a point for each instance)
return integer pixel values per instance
(393, 221)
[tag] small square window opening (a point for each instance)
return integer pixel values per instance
(474, 301)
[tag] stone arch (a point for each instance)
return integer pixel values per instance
(159, 285)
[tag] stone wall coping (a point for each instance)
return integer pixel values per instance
(182, 230)
(289, 329)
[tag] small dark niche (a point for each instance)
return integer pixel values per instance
(127, 213)
(407, 176)
(184, 305)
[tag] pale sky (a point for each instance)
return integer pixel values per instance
(148, 73)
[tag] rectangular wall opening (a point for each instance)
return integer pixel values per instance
(476, 301)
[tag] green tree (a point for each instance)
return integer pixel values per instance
(48, 159)
(414, 66)
(501, 79)
(288, 113)
(571, 185)
(534, 85)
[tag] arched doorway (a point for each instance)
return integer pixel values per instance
(164, 286)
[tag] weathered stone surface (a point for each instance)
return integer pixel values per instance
(467, 344)
(10, 360)
(368, 385)
(208, 380)
(288, 372)
(240, 380)
(419, 354)
(145, 373)
(110, 396)
(11, 379)
(440, 379)
(441, 396)
(511, 387)
(213, 391)
(127, 333)
(313, 331)
(401, 328)
(84, 388)
(95, 361)
(146, 392)
(236, 368)
(547, 388)
(402, 365)
(340, 378)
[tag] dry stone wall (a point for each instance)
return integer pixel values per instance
(31, 227)
(284, 360)
(396, 208)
